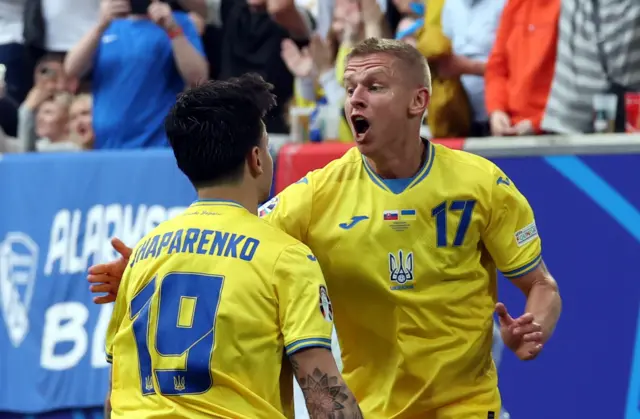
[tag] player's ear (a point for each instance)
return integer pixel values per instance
(256, 162)
(419, 102)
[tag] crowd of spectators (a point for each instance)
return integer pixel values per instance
(102, 74)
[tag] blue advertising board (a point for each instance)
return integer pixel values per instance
(588, 214)
(59, 211)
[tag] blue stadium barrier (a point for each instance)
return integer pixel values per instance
(58, 212)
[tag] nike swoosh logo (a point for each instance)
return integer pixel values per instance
(354, 220)
(504, 181)
(303, 180)
(311, 258)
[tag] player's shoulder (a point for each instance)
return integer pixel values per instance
(282, 246)
(277, 239)
(337, 170)
(462, 162)
(316, 181)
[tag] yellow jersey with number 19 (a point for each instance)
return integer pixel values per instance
(209, 305)
(411, 267)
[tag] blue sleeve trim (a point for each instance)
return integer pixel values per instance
(298, 345)
(523, 270)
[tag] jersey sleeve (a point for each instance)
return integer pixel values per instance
(117, 315)
(305, 310)
(511, 236)
(290, 210)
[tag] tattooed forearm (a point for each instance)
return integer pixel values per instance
(295, 366)
(328, 397)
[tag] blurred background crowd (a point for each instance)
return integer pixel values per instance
(101, 74)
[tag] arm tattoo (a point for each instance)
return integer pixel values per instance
(328, 397)
(295, 366)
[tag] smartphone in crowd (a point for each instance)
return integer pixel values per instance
(139, 7)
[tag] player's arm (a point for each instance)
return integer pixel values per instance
(325, 392)
(290, 210)
(306, 322)
(543, 299)
(513, 241)
(107, 400)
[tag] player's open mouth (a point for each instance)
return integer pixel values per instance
(360, 124)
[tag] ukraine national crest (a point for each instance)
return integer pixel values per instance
(401, 270)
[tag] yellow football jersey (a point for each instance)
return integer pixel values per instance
(209, 305)
(411, 266)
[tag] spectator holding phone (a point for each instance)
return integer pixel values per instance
(141, 54)
(50, 80)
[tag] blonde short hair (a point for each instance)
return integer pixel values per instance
(404, 52)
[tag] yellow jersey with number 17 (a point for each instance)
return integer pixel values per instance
(411, 267)
(209, 306)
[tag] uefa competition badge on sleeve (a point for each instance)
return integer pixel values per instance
(268, 206)
(526, 234)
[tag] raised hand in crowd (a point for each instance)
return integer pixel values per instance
(160, 13)
(276, 6)
(297, 60)
(375, 24)
(113, 9)
(320, 54)
(403, 6)
(45, 86)
(348, 20)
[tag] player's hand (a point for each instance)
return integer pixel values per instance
(298, 60)
(522, 335)
(105, 277)
(500, 124)
(160, 13)
(112, 9)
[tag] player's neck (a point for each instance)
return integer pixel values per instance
(402, 161)
(231, 193)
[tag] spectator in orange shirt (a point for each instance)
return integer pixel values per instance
(520, 69)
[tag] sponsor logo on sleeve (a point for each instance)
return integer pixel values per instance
(326, 308)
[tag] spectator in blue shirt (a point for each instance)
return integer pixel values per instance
(139, 62)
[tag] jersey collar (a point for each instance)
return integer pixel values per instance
(417, 178)
(216, 202)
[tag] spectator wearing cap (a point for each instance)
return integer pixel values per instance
(140, 61)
